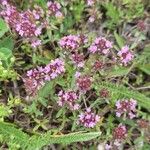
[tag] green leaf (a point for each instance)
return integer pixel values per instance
(4, 111)
(5, 56)
(3, 27)
(120, 41)
(117, 72)
(122, 91)
(142, 59)
(113, 14)
(145, 68)
(12, 134)
(78, 9)
(60, 112)
(7, 42)
(5, 53)
(37, 142)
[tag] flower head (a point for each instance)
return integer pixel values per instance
(125, 55)
(70, 42)
(120, 132)
(78, 59)
(84, 83)
(100, 45)
(25, 22)
(11, 15)
(98, 65)
(90, 2)
(127, 107)
(35, 43)
(53, 69)
(36, 78)
(104, 93)
(141, 25)
(68, 98)
(54, 9)
(88, 118)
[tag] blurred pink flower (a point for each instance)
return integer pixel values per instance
(70, 42)
(100, 45)
(120, 132)
(127, 107)
(84, 83)
(68, 98)
(35, 43)
(36, 78)
(125, 55)
(88, 119)
(78, 59)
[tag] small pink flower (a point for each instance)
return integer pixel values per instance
(98, 65)
(88, 119)
(68, 98)
(125, 55)
(108, 147)
(58, 15)
(36, 78)
(77, 74)
(78, 59)
(54, 9)
(38, 12)
(35, 43)
(100, 45)
(90, 2)
(70, 42)
(120, 132)
(127, 107)
(55, 68)
(37, 31)
(91, 19)
(84, 83)
(93, 49)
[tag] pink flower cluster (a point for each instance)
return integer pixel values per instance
(34, 81)
(78, 59)
(54, 9)
(127, 107)
(36, 78)
(98, 65)
(84, 83)
(100, 45)
(120, 132)
(68, 98)
(55, 68)
(125, 55)
(24, 23)
(70, 42)
(88, 118)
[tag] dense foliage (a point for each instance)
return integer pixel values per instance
(74, 74)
